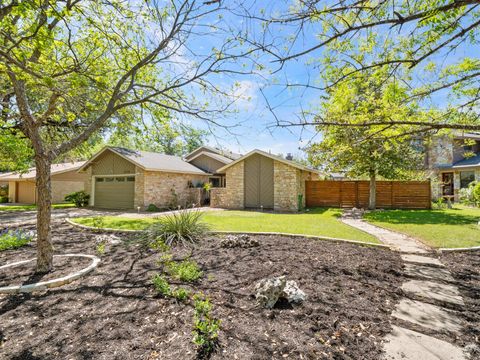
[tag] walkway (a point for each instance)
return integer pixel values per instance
(429, 297)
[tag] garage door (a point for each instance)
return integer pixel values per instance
(25, 192)
(114, 192)
(258, 182)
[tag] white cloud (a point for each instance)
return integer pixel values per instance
(245, 93)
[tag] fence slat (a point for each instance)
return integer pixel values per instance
(350, 193)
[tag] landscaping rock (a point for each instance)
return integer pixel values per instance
(292, 293)
(268, 291)
(242, 240)
(110, 239)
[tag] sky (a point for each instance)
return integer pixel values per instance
(253, 119)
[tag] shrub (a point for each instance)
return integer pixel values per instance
(186, 270)
(476, 193)
(79, 198)
(10, 239)
(98, 222)
(205, 328)
(183, 227)
(181, 294)
(153, 208)
(471, 194)
(3, 199)
(161, 285)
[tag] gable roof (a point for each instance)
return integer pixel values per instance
(150, 161)
(468, 162)
(225, 153)
(274, 157)
(221, 158)
(31, 173)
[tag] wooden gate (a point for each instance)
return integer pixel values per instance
(355, 193)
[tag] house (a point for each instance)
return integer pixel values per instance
(120, 178)
(210, 160)
(454, 162)
(65, 180)
(262, 180)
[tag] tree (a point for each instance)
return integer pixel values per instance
(71, 69)
(159, 133)
(433, 46)
(382, 150)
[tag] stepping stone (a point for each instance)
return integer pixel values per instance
(427, 315)
(433, 290)
(421, 259)
(406, 344)
(428, 272)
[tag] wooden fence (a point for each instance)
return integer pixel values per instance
(355, 193)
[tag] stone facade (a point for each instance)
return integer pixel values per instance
(232, 196)
(138, 199)
(289, 182)
(169, 189)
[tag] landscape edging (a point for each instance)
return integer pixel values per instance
(44, 285)
(474, 248)
(325, 238)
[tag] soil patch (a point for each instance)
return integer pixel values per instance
(113, 313)
(465, 269)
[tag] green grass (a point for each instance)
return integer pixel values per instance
(448, 228)
(32, 207)
(319, 222)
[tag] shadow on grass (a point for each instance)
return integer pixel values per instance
(422, 217)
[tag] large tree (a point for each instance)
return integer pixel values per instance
(431, 45)
(71, 68)
(387, 151)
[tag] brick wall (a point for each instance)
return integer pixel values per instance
(138, 197)
(232, 196)
(286, 183)
(167, 189)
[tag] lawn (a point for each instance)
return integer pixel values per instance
(319, 222)
(32, 207)
(448, 228)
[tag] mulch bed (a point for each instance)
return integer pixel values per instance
(465, 268)
(113, 313)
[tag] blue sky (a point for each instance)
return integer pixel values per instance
(255, 123)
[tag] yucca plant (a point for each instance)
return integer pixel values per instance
(179, 228)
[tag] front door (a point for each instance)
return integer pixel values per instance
(447, 184)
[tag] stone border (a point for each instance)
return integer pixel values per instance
(44, 285)
(475, 248)
(325, 238)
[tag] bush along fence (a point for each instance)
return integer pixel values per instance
(355, 193)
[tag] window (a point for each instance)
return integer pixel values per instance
(466, 177)
(109, 179)
(215, 181)
(131, 178)
(99, 180)
(120, 179)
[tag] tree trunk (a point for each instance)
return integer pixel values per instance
(44, 209)
(372, 200)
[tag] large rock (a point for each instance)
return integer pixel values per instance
(110, 239)
(292, 293)
(242, 240)
(268, 291)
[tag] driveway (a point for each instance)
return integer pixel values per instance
(9, 218)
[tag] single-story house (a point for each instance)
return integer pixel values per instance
(262, 180)
(120, 178)
(65, 180)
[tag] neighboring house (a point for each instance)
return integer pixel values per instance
(262, 180)
(65, 180)
(454, 162)
(119, 178)
(210, 160)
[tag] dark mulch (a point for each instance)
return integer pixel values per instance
(465, 268)
(113, 313)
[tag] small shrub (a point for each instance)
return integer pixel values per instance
(439, 203)
(153, 208)
(181, 294)
(205, 328)
(100, 249)
(10, 239)
(79, 198)
(181, 228)
(3, 199)
(476, 193)
(161, 285)
(185, 270)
